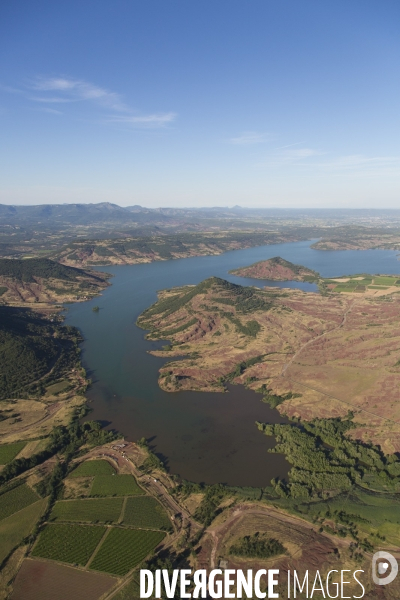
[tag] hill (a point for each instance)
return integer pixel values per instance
(33, 352)
(44, 280)
(276, 269)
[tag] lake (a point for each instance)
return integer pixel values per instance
(202, 437)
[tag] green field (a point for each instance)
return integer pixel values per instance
(370, 512)
(145, 512)
(115, 485)
(17, 526)
(130, 591)
(16, 499)
(9, 451)
(104, 510)
(123, 549)
(374, 282)
(56, 388)
(385, 280)
(91, 468)
(68, 543)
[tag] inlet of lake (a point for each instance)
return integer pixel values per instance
(202, 437)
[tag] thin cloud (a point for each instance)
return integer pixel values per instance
(151, 120)
(52, 111)
(249, 138)
(300, 156)
(76, 90)
(351, 165)
(66, 90)
(289, 145)
(362, 162)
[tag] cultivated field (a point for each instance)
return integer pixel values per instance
(15, 528)
(104, 510)
(115, 485)
(9, 451)
(370, 285)
(145, 512)
(123, 549)
(68, 543)
(91, 468)
(16, 499)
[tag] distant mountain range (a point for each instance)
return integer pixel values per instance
(107, 212)
(76, 214)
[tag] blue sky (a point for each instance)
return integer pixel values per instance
(290, 103)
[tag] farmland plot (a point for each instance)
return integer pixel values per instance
(9, 451)
(39, 580)
(91, 468)
(105, 510)
(17, 526)
(68, 543)
(145, 512)
(115, 485)
(16, 499)
(123, 549)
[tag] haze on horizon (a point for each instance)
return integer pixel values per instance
(263, 104)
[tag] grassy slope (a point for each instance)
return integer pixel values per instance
(17, 526)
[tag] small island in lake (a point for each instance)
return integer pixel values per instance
(277, 269)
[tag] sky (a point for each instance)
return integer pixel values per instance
(284, 103)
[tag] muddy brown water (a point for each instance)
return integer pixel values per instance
(203, 437)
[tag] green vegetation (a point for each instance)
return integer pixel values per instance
(275, 400)
(256, 546)
(95, 308)
(146, 513)
(63, 440)
(105, 510)
(251, 328)
(115, 485)
(18, 526)
(130, 591)
(16, 499)
(210, 505)
(90, 468)
(123, 549)
(242, 366)
(359, 283)
(9, 451)
(68, 543)
(33, 352)
(3, 290)
(324, 458)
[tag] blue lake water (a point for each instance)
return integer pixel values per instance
(202, 437)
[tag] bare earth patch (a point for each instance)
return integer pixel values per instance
(40, 580)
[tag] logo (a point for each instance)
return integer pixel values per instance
(384, 563)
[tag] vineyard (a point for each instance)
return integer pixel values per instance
(123, 549)
(105, 510)
(145, 512)
(115, 485)
(15, 500)
(91, 468)
(9, 451)
(68, 543)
